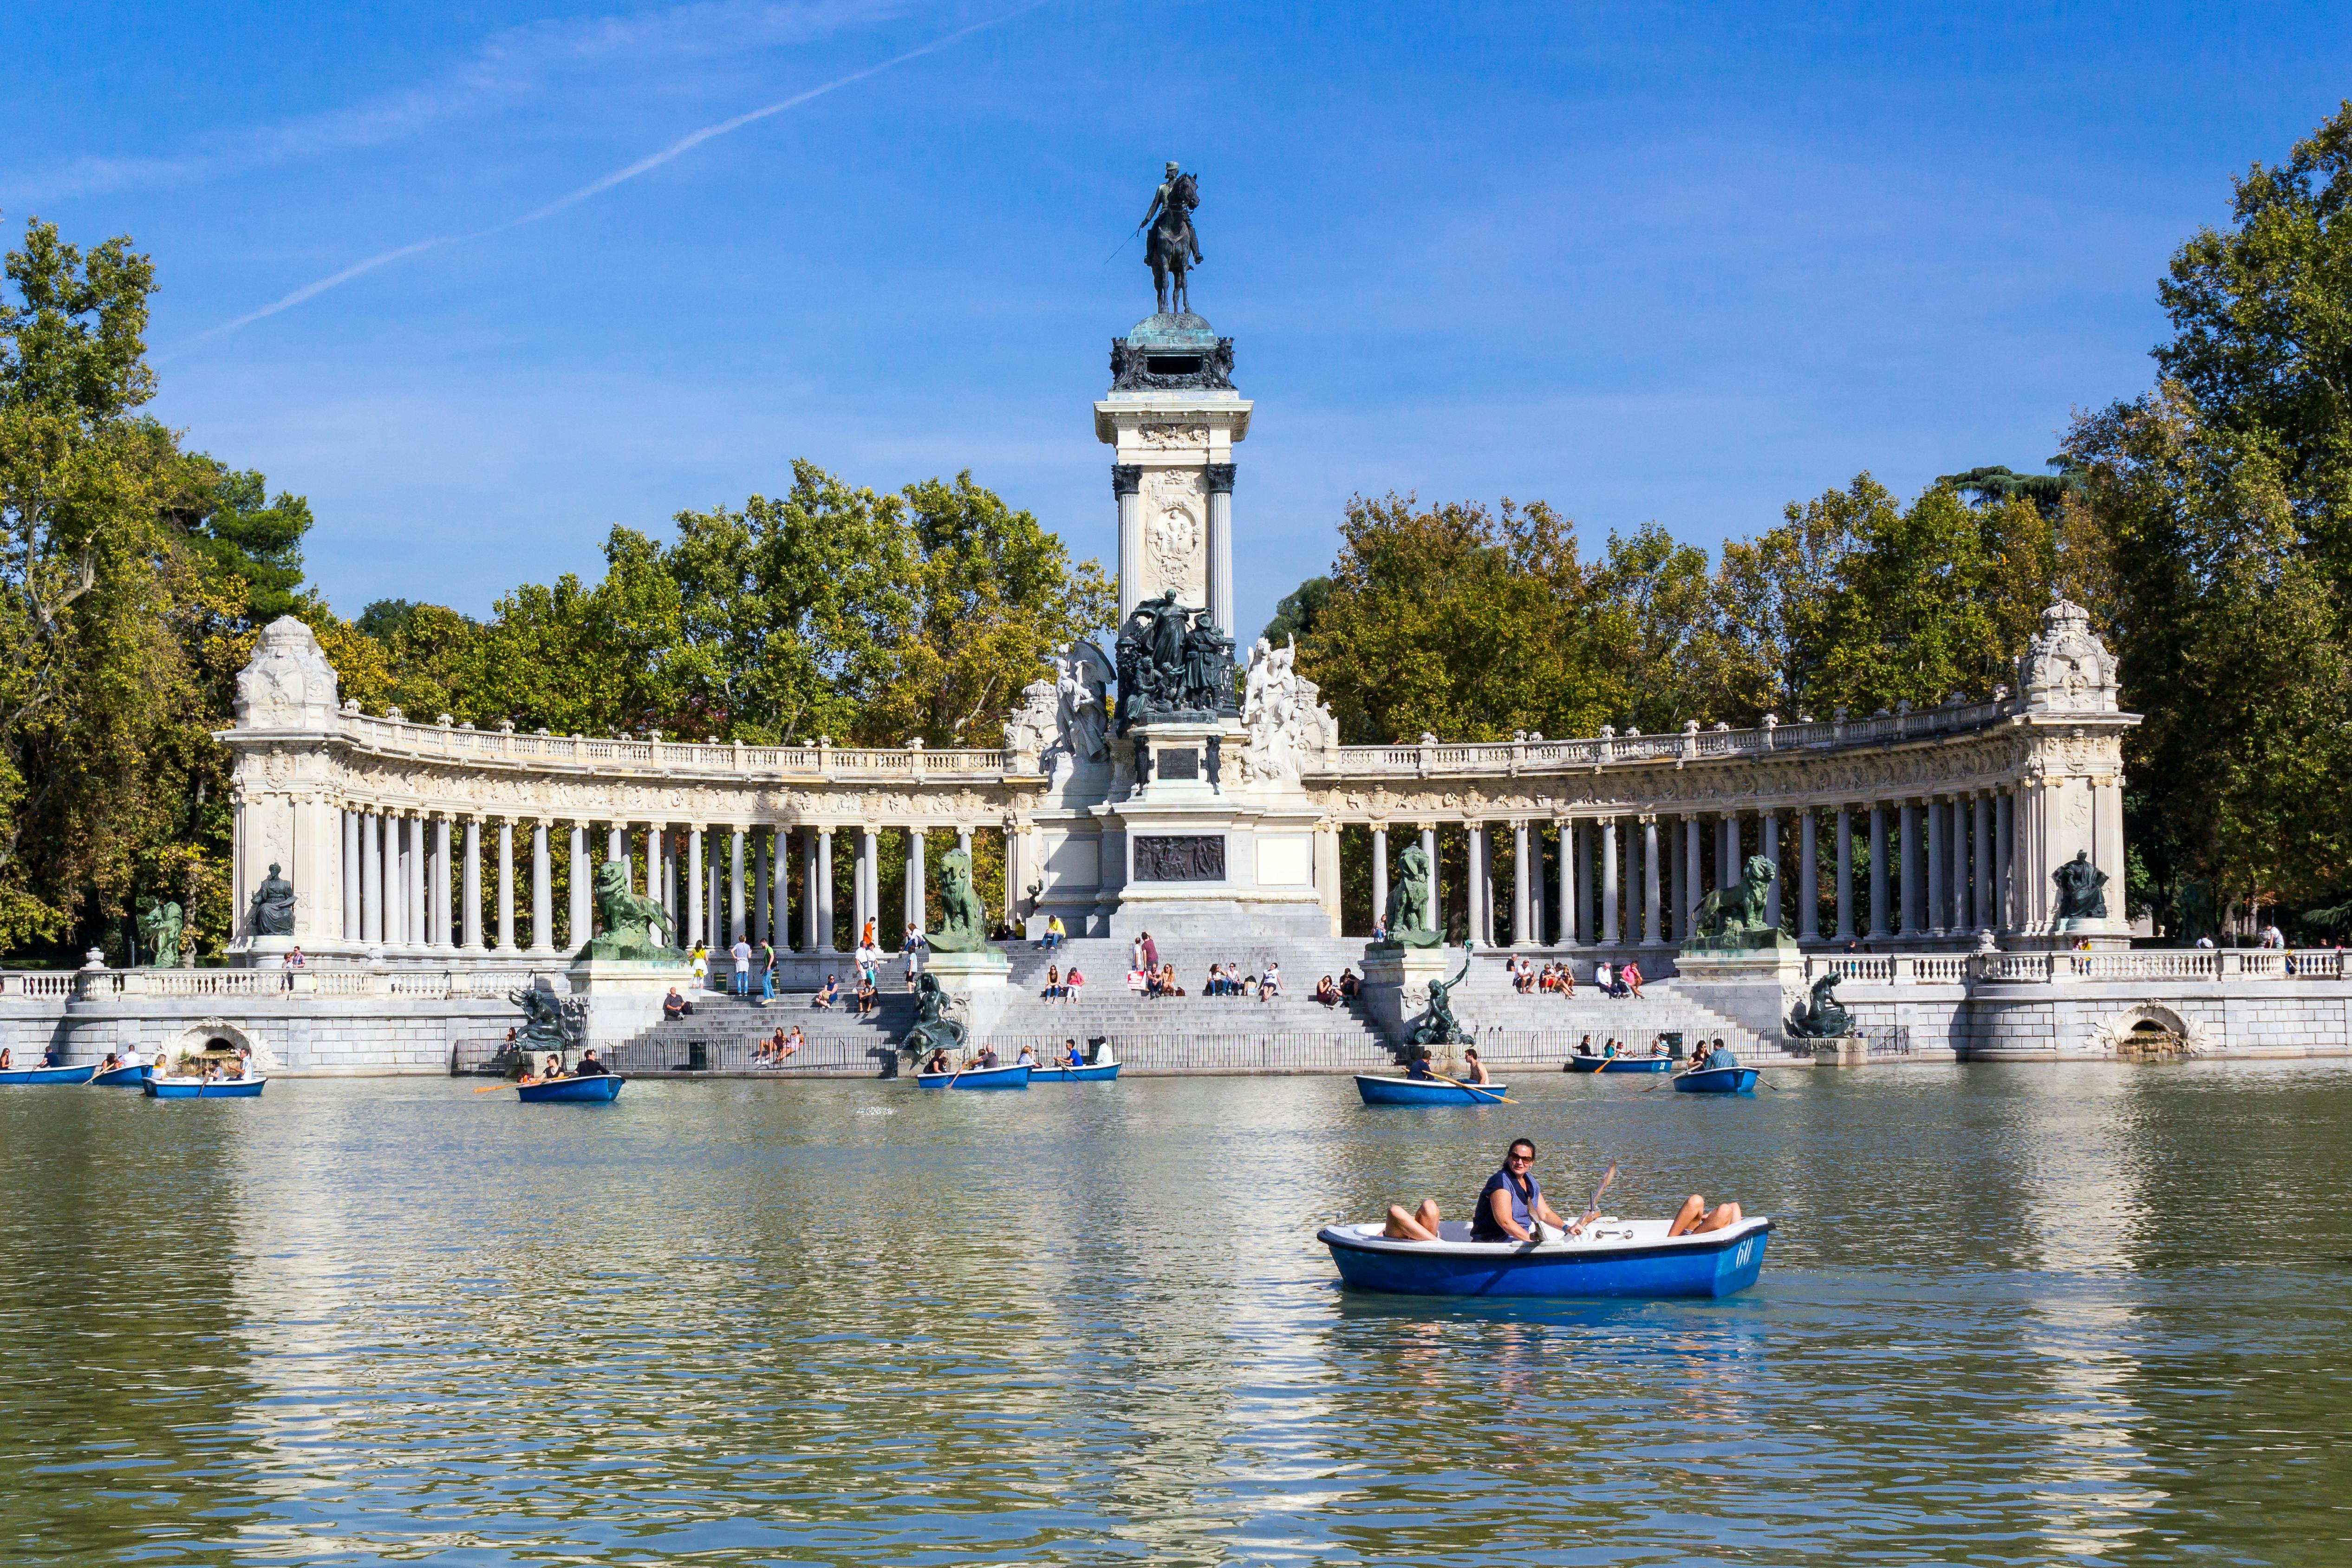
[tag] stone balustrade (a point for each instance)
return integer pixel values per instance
(2000, 969)
(823, 762)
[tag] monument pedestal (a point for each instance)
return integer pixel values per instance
(1753, 985)
(979, 988)
(1841, 1050)
(2104, 935)
(1396, 984)
(625, 996)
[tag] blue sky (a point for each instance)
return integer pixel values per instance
(1655, 262)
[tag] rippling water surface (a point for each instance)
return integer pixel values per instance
(2011, 1315)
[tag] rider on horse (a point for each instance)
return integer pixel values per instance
(1173, 247)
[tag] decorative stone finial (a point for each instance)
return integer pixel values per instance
(287, 684)
(2065, 668)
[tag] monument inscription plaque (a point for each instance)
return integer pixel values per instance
(1180, 764)
(1191, 857)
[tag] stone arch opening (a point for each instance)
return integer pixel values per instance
(2150, 1031)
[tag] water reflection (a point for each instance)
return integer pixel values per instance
(2022, 1312)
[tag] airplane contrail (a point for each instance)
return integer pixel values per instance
(683, 145)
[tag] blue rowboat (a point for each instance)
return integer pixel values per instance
(1716, 1081)
(595, 1090)
(199, 1089)
(1102, 1072)
(1419, 1091)
(29, 1076)
(1581, 1063)
(130, 1077)
(1014, 1077)
(1631, 1258)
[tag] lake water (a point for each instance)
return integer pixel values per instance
(2027, 1314)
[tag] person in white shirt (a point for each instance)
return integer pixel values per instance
(741, 953)
(1602, 977)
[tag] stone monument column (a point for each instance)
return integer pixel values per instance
(1220, 544)
(1962, 879)
(809, 894)
(582, 925)
(1694, 872)
(1125, 489)
(780, 890)
(694, 900)
(542, 889)
(1938, 911)
(506, 885)
(1912, 879)
(1520, 902)
(354, 930)
(824, 922)
(1380, 873)
(1880, 930)
(1609, 879)
(734, 884)
(470, 911)
(1564, 835)
(1809, 875)
(2004, 859)
(761, 928)
(1650, 880)
(1845, 872)
(371, 879)
(917, 880)
(1429, 852)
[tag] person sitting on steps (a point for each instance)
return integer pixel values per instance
(830, 996)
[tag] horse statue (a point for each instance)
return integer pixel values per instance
(627, 920)
(1730, 911)
(1825, 1017)
(1172, 249)
(1438, 1025)
(963, 921)
(933, 1030)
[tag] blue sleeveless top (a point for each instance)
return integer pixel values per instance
(1481, 1222)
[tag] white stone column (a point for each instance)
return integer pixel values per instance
(506, 886)
(1845, 873)
(918, 912)
(1474, 856)
(582, 923)
(734, 884)
(616, 841)
(471, 881)
(809, 941)
(443, 929)
(869, 881)
(780, 894)
(824, 922)
(1429, 851)
(1586, 933)
(1981, 863)
(419, 912)
(542, 895)
(2004, 862)
(1808, 876)
(1126, 483)
(1650, 932)
(1879, 929)
(1380, 873)
(760, 913)
(1519, 901)
(1767, 828)
(370, 878)
(1939, 909)
(1609, 879)
(695, 900)
(1220, 544)
(1564, 834)
(1913, 876)
(353, 929)
(1694, 872)
(1534, 876)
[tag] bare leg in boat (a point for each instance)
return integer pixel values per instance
(1696, 1217)
(1419, 1226)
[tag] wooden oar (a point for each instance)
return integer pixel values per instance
(1475, 1089)
(506, 1083)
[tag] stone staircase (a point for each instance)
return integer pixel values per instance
(725, 1030)
(1543, 1027)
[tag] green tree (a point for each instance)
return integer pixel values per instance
(229, 522)
(1295, 614)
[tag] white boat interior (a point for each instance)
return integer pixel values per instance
(1607, 1234)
